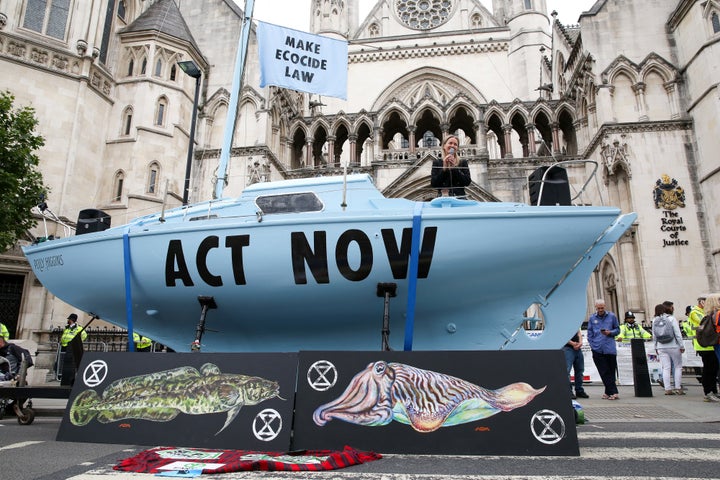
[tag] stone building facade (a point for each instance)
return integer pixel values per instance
(631, 91)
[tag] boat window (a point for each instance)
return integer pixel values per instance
(289, 203)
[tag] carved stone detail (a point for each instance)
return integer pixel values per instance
(16, 49)
(39, 56)
(60, 63)
(81, 47)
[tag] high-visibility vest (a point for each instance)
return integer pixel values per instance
(690, 327)
(627, 333)
(69, 333)
(4, 332)
(140, 341)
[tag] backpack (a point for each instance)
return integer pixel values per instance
(662, 330)
(706, 334)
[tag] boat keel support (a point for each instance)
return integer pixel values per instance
(206, 303)
(386, 290)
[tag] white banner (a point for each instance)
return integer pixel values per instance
(624, 361)
(302, 61)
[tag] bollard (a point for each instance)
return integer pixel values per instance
(641, 375)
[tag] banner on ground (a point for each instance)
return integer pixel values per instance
(302, 61)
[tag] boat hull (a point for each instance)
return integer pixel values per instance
(310, 282)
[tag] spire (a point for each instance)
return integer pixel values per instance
(164, 17)
(334, 18)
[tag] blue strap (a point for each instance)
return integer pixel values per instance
(412, 282)
(128, 296)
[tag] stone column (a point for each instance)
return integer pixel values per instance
(445, 129)
(555, 137)
(530, 127)
(411, 138)
(285, 152)
(378, 131)
(308, 153)
(672, 93)
(331, 150)
(639, 89)
(352, 139)
(481, 137)
(507, 129)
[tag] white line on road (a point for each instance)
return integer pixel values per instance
(20, 445)
(650, 435)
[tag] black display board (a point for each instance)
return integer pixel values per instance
(474, 403)
(210, 400)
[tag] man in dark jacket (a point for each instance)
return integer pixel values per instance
(14, 355)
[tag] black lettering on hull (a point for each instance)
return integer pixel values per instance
(366, 255)
(302, 253)
(175, 256)
(399, 258)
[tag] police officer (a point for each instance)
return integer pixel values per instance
(4, 332)
(67, 354)
(630, 330)
(142, 344)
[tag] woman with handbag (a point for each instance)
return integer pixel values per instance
(670, 352)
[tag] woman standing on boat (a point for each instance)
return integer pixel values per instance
(450, 175)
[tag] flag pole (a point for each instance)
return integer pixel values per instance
(234, 99)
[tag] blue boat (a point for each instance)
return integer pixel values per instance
(309, 265)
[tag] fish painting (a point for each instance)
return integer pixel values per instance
(161, 396)
(423, 399)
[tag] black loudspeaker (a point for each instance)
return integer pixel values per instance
(556, 190)
(92, 220)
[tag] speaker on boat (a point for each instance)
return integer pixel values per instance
(92, 220)
(556, 190)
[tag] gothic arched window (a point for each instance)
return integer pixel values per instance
(715, 20)
(160, 111)
(158, 67)
(143, 66)
(121, 10)
(127, 120)
(153, 178)
(131, 67)
(118, 186)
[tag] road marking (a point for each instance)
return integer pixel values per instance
(650, 435)
(96, 475)
(20, 445)
(686, 454)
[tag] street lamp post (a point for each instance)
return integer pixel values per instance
(190, 68)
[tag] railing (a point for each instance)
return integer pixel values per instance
(404, 154)
(100, 339)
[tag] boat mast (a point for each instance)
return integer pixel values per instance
(234, 98)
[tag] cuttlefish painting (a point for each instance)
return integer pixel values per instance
(423, 399)
(161, 396)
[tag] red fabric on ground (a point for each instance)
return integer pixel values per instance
(151, 461)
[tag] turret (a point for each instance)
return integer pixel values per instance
(529, 30)
(334, 18)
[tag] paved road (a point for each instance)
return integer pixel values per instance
(638, 438)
